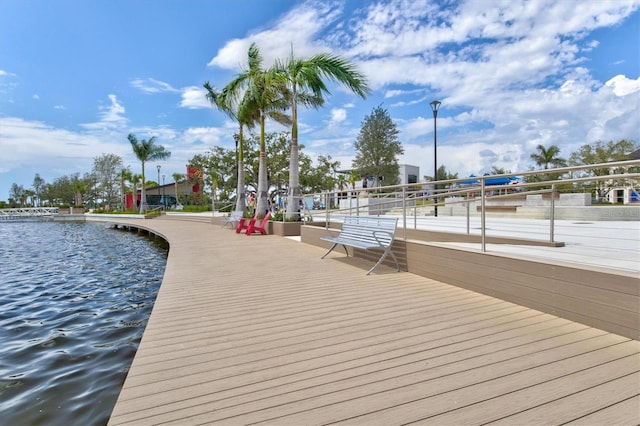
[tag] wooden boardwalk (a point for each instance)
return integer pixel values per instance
(261, 330)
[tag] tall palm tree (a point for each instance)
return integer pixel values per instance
(263, 96)
(548, 156)
(125, 176)
(304, 81)
(135, 180)
(146, 150)
(245, 115)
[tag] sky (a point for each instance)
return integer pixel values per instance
(77, 76)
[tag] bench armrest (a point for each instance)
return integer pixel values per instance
(389, 234)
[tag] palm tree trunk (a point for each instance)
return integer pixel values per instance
(263, 185)
(241, 194)
(241, 203)
(263, 204)
(293, 192)
(143, 196)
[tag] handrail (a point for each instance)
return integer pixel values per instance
(29, 211)
(410, 195)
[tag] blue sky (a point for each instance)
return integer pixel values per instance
(77, 76)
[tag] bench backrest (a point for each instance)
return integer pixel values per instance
(362, 228)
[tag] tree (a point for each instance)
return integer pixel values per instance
(125, 176)
(135, 180)
(322, 176)
(600, 153)
(146, 150)
(38, 185)
(264, 96)
(303, 79)
(548, 156)
(229, 102)
(17, 193)
(79, 187)
(545, 157)
(107, 169)
(353, 177)
(378, 147)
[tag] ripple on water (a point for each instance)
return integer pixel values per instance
(74, 306)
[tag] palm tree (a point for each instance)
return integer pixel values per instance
(245, 115)
(146, 150)
(177, 177)
(125, 175)
(264, 96)
(353, 177)
(303, 79)
(546, 156)
(79, 188)
(135, 180)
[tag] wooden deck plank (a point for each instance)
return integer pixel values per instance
(624, 412)
(261, 330)
(409, 396)
(351, 374)
(293, 376)
(588, 401)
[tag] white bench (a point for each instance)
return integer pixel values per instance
(233, 219)
(367, 233)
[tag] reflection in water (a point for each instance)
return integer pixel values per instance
(74, 298)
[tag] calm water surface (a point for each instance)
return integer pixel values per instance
(74, 301)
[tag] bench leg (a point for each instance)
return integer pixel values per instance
(334, 246)
(387, 251)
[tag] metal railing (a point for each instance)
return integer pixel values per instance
(28, 212)
(411, 197)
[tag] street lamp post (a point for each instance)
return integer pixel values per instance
(157, 187)
(164, 199)
(435, 105)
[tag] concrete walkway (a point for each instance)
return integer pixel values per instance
(261, 330)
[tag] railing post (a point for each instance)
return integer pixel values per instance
(404, 212)
(468, 214)
(326, 207)
(552, 213)
(482, 218)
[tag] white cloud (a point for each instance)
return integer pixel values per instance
(209, 136)
(299, 27)
(622, 86)
(151, 85)
(111, 116)
(25, 143)
(194, 97)
(338, 115)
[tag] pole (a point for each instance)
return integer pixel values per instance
(157, 187)
(435, 105)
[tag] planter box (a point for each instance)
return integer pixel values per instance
(285, 229)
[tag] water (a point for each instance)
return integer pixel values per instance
(74, 301)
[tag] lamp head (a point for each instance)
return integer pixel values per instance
(435, 105)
